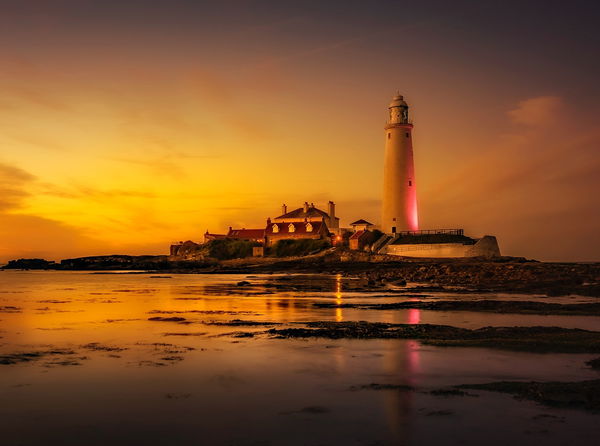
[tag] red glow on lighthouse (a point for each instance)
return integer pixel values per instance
(411, 209)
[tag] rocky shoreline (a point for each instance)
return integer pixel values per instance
(503, 274)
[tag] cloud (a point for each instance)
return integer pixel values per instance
(338, 44)
(539, 111)
(527, 186)
(168, 165)
(24, 136)
(211, 88)
(10, 173)
(39, 97)
(221, 97)
(29, 235)
(33, 236)
(92, 193)
(24, 234)
(14, 182)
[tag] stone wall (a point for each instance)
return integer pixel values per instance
(485, 247)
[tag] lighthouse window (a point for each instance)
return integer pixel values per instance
(407, 135)
(409, 183)
(389, 135)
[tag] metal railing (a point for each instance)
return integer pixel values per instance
(433, 231)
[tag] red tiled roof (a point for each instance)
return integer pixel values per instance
(250, 234)
(299, 213)
(299, 227)
(361, 222)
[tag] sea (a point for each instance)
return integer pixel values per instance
(137, 358)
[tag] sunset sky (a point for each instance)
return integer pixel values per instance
(126, 125)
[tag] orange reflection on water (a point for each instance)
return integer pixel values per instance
(338, 298)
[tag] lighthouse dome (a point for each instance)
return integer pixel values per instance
(398, 101)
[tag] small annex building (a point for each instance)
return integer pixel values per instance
(360, 239)
(282, 230)
(361, 225)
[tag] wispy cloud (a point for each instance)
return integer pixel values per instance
(14, 186)
(539, 111)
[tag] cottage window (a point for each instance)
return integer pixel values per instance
(275, 228)
(309, 227)
(291, 227)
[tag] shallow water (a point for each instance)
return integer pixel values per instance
(108, 375)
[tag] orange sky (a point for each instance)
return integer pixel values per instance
(125, 128)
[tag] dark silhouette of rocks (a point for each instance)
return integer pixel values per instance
(534, 339)
(579, 395)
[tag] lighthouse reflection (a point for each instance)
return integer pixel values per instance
(400, 365)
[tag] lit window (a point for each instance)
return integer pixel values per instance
(309, 227)
(275, 228)
(291, 227)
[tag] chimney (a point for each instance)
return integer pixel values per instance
(269, 218)
(306, 207)
(331, 210)
(283, 209)
(312, 205)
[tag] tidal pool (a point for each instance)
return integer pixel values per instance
(81, 362)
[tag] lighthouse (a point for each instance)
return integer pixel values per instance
(399, 209)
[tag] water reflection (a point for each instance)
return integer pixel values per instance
(338, 298)
(188, 382)
(402, 364)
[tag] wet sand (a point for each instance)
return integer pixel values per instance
(200, 359)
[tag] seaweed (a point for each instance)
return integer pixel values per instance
(594, 363)
(537, 339)
(578, 395)
(377, 386)
(492, 306)
(166, 319)
(95, 346)
(25, 357)
(242, 323)
(10, 309)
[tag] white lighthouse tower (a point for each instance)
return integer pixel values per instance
(399, 210)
